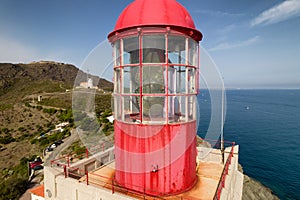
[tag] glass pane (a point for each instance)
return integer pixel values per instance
(131, 108)
(131, 79)
(116, 47)
(176, 49)
(171, 80)
(180, 79)
(191, 80)
(117, 80)
(154, 49)
(181, 114)
(131, 50)
(192, 108)
(193, 53)
(153, 79)
(117, 108)
(153, 109)
(174, 109)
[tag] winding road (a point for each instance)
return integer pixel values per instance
(67, 142)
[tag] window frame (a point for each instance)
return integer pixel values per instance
(190, 47)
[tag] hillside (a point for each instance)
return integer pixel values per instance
(18, 80)
(21, 84)
(24, 119)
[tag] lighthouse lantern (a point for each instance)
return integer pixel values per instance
(155, 47)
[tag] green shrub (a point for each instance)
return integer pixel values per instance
(50, 111)
(5, 130)
(22, 137)
(54, 137)
(7, 139)
(15, 184)
(44, 141)
(66, 116)
(27, 104)
(33, 141)
(21, 129)
(39, 107)
(79, 150)
(13, 188)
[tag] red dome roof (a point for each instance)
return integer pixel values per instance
(157, 13)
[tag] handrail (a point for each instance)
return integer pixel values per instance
(108, 182)
(69, 157)
(221, 184)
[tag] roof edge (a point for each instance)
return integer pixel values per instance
(193, 33)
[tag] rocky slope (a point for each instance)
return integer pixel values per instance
(254, 190)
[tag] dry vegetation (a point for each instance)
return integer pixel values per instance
(23, 120)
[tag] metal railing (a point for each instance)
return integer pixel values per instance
(224, 174)
(110, 183)
(73, 157)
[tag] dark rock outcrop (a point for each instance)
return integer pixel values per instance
(254, 190)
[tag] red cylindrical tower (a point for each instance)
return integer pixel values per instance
(155, 86)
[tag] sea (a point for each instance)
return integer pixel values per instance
(266, 126)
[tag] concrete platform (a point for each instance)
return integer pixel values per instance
(208, 174)
(99, 182)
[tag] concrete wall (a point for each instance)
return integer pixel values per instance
(35, 197)
(234, 183)
(95, 161)
(57, 187)
(207, 154)
(234, 180)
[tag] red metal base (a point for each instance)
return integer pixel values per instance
(156, 159)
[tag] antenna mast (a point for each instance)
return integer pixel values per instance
(222, 126)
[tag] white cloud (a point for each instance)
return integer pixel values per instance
(224, 46)
(229, 28)
(218, 13)
(281, 12)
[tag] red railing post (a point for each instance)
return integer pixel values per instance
(113, 185)
(87, 177)
(103, 146)
(219, 194)
(68, 160)
(65, 171)
(226, 168)
(86, 153)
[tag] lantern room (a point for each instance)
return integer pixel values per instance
(156, 72)
(155, 76)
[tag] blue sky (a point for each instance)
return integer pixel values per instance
(255, 44)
